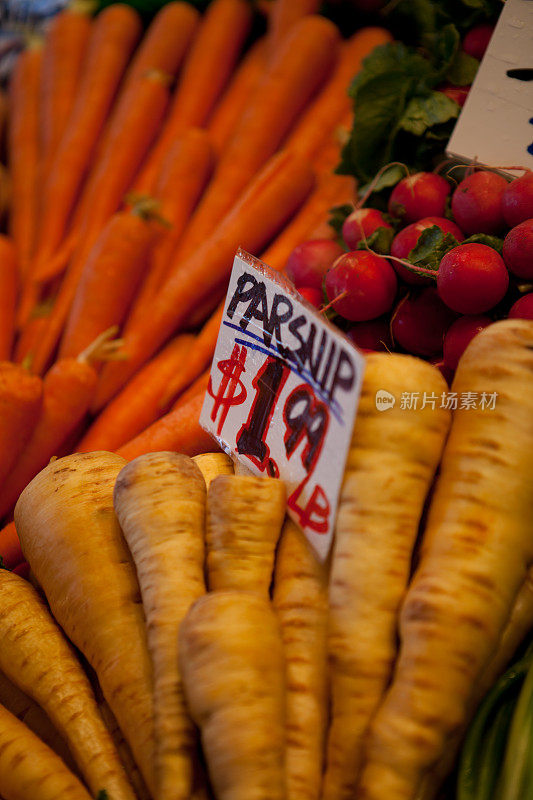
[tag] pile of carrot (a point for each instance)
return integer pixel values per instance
(140, 161)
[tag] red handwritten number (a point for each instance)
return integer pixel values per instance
(268, 384)
(231, 369)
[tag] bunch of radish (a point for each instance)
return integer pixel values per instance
(385, 299)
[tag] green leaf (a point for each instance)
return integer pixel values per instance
(337, 215)
(380, 241)
(463, 69)
(424, 112)
(388, 178)
(432, 245)
(442, 46)
(483, 238)
(102, 795)
(391, 59)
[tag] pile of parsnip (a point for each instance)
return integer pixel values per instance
(195, 647)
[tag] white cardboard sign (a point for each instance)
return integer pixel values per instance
(283, 393)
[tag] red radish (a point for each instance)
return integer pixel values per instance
(372, 335)
(367, 282)
(361, 224)
(477, 39)
(447, 374)
(312, 295)
(518, 249)
(457, 93)
(420, 322)
(477, 203)
(459, 334)
(421, 195)
(517, 200)
(523, 308)
(22, 569)
(309, 262)
(472, 278)
(407, 239)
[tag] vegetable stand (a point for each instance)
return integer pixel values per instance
(199, 643)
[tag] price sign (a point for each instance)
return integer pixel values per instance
(283, 393)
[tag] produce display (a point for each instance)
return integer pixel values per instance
(166, 630)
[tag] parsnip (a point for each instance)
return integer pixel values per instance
(231, 659)
(159, 500)
(213, 464)
(476, 550)
(72, 540)
(244, 519)
(301, 601)
(390, 466)
(35, 655)
(30, 769)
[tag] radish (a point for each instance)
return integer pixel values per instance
(477, 203)
(459, 334)
(477, 40)
(309, 262)
(364, 283)
(372, 335)
(407, 239)
(518, 249)
(421, 195)
(517, 200)
(472, 278)
(312, 295)
(523, 308)
(420, 322)
(361, 224)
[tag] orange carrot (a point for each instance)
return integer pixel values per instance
(114, 34)
(333, 103)
(301, 65)
(271, 199)
(140, 402)
(64, 50)
(232, 104)
(184, 174)
(20, 407)
(178, 430)
(109, 279)
(284, 15)
(67, 392)
(8, 295)
(198, 387)
(23, 150)
(29, 338)
(10, 549)
(210, 63)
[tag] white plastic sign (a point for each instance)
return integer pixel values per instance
(283, 393)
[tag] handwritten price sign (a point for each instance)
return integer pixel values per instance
(283, 393)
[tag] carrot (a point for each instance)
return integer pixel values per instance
(389, 471)
(270, 200)
(301, 600)
(20, 409)
(333, 103)
(198, 387)
(188, 166)
(29, 768)
(36, 656)
(212, 465)
(476, 550)
(114, 34)
(124, 751)
(110, 278)
(67, 391)
(139, 404)
(159, 500)
(29, 338)
(300, 67)
(23, 151)
(240, 547)
(31, 714)
(64, 51)
(231, 658)
(233, 102)
(208, 67)
(179, 431)
(98, 608)
(283, 18)
(8, 295)
(4, 115)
